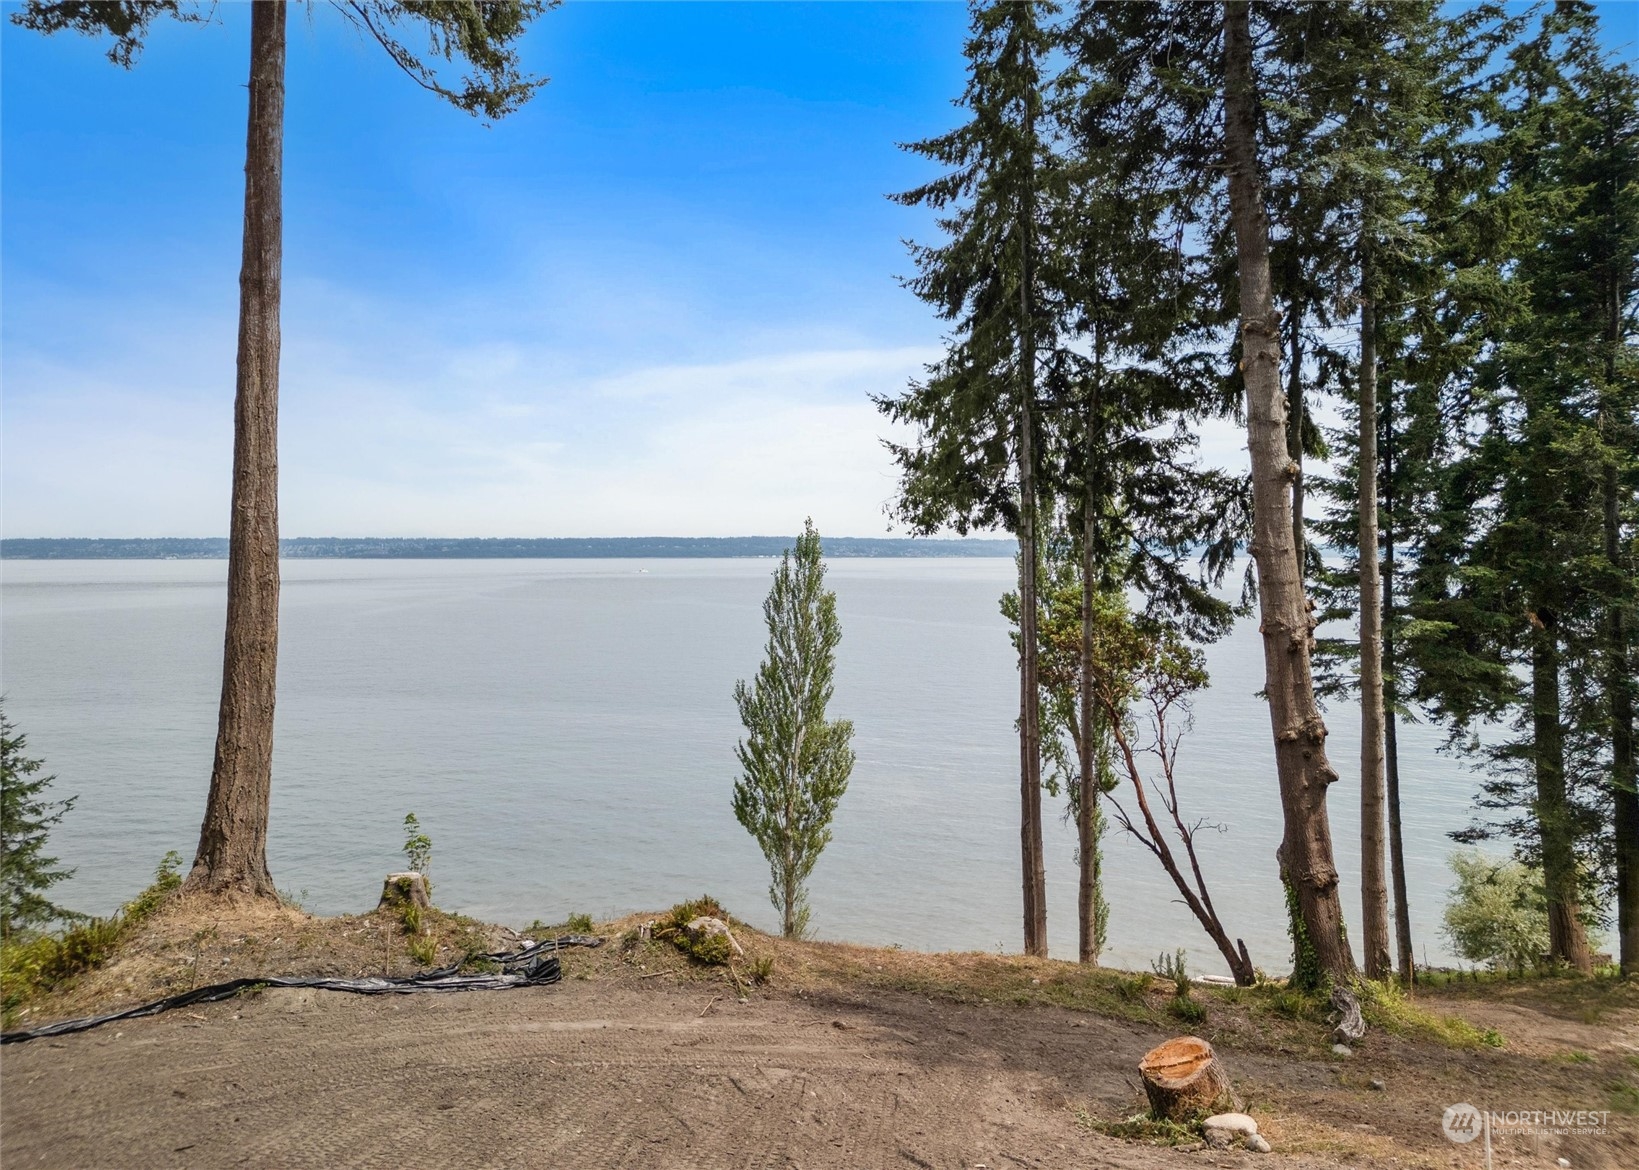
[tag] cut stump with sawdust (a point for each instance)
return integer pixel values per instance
(1184, 1079)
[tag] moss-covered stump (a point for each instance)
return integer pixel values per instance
(405, 889)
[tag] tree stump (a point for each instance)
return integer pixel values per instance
(1184, 1078)
(405, 889)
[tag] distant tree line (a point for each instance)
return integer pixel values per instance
(1160, 213)
(489, 547)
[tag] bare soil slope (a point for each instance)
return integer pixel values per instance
(849, 1057)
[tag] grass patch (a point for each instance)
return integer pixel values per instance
(1625, 1098)
(574, 924)
(33, 966)
(1387, 1006)
(1142, 1128)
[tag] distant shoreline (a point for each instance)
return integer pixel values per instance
(492, 548)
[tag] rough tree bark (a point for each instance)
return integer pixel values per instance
(1030, 835)
(232, 855)
(1087, 803)
(1287, 622)
(1619, 684)
(1294, 430)
(1567, 939)
(1391, 745)
(1374, 894)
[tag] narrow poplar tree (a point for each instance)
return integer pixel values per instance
(794, 761)
(232, 853)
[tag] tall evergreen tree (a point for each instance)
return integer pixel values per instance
(1518, 592)
(1376, 88)
(27, 817)
(1118, 441)
(794, 760)
(232, 853)
(975, 459)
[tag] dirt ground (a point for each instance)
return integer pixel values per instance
(847, 1057)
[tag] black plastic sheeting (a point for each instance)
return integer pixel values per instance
(534, 966)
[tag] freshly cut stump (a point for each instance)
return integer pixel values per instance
(1184, 1078)
(405, 888)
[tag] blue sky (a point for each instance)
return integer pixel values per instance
(652, 302)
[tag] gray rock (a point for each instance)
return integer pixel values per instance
(706, 927)
(1379, 1084)
(1342, 1050)
(1219, 1139)
(1258, 1144)
(1235, 1123)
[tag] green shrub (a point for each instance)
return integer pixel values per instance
(1181, 1007)
(33, 966)
(1497, 913)
(1172, 967)
(579, 924)
(423, 949)
(713, 950)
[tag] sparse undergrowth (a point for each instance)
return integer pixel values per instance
(711, 949)
(35, 966)
(1142, 1128)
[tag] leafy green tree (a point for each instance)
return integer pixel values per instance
(1076, 744)
(232, 854)
(1496, 913)
(27, 817)
(975, 460)
(794, 760)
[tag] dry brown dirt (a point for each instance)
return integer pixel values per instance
(848, 1057)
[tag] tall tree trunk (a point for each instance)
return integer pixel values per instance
(1619, 685)
(1294, 431)
(1391, 744)
(1374, 894)
(1287, 620)
(1619, 681)
(1567, 940)
(1030, 835)
(232, 855)
(1087, 802)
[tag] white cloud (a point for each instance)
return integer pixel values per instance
(388, 429)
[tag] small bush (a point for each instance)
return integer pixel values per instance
(579, 923)
(418, 849)
(713, 950)
(167, 880)
(423, 949)
(1131, 988)
(1181, 1007)
(1172, 967)
(762, 969)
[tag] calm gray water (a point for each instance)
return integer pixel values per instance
(565, 732)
